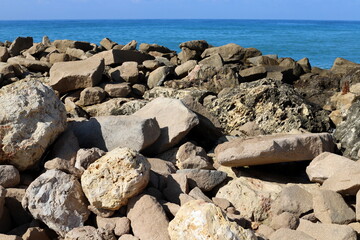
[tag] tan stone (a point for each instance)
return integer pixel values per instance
(35, 233)
(4, 54)
(191, 156)
(9, 237)
(157, 77)
(117, 90)
(107, 43)
(229, 53)
(342, 66)
(288, 234)
(183, 69)
(91, 96)
(253, 73)
(206, 180)
(32, 65)
(9, 176)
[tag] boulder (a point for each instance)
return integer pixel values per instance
(305, 65)
(20, 44)
(172, 129)
(57, 199)
(252, 197)
(112, 106)
(68, 76)
(2, 199)
(110, 132)
(191, 156)
(273, 149)
(63, 165)
(86, 232)
(118, 57)
(32, 65)
(9, 176)
(62, 45)
(158, 76)
(161, 167)
(117, 90)
(142, 211)
(118, 225)
(330, 207)
(206, 180)
(214, 60)
(288, 234)
(229, 53)
(58, 57)
(76, 53)
(145, 47)
(187, 54)
(91, 96)
(183, 69)
(107, 43)
(197, 45)
(31, 117)
(4, 54)
(85, 157)
(263, 60)
(129, 72)
(200, 220)
(326, 231)
(151, 64)
(252, 74)
(176, 184)
(130, 45)
(18, 214)
(327, 164)
(196, 93)
(285, 220)
(113, 179)
(275, 107)
(65, 147)
(342, 66)
(34, 233)
(294, 66)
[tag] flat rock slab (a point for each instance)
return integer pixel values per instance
(273, 149)
(110, 132)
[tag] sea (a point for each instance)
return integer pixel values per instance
(320, 41)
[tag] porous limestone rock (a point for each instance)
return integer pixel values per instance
(56, 198)
(110, 181)
(200, 220)
(31, 117)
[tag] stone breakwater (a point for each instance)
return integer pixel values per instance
(116, 141)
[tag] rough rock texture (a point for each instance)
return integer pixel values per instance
(91, 95)
(250, 196)
(110, 181)
(57, 199)
(172, 129)
(86, 232)
(274, 106)
(342, 66)
(9, 176)
(31, 64)
(191, 156)
(117, 90)
(85, 157)
(273, 149)
(330, 207)
(229, 53)
(20, 44)
(327, 164)
(284, 220)
(68, 76)
(288, 234)
(148, 218)
(157, 77)
(31, 117)
(200, 220)
(110, 132)
(206, 180)
(34, 233)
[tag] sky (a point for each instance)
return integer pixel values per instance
(180, 9)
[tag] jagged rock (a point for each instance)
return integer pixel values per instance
(273, 149)
(110, 132)
(31, 117)
(176, 184)
(112, 180)
(56, 198)
(117, 225)
(62, 45)
(63, 165)
(342, 66)
(110, 107)
(4, 54)
(305, 65)
(327, 164)
(196, 193)
(263, 60)
(20, 44)
(157, 77)
(58, 57)
(91, 95)
(68, 76)
(229, 53)
(9, 176)
(187, 54)
(145, 47)
(252, 197)
(32, 65)
(200, 220)
(206, 180)
(130, 45)
(107, 43)
(161, 167)
(142, 211)
(294, 66)
(85, 157)
(117, 90)
(288, 234)
(275, 107)
(172, 129)
(191, 156)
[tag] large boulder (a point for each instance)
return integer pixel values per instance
(175, 121)
(62, 45)
(342, 66)
(229, 53)
(20, 44)
(56, 198)
(68, 76)
(32, 65)
(31, 118)
(110, 132)
(274, 106)
(118, 57)
(273, 149)
(113, 179)
(200, 220)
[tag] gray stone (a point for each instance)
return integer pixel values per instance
(157, 77)
(9, 176)
(85, 157)
(162, 167)
(191, 156)
(206, 180)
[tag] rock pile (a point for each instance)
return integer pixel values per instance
(117, 141)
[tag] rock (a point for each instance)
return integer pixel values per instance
(118, 225)
(110, 107)
(151, 64)
(157, 77)
(130, 45)
(129, 72)
(342, 66)
(110, 181)
(206, 180)
(19, 215)
(176, 184)
(56, 199)
(35, 233)
(275, 107)
(172, 130)
(128, 237)
(117, 90)
(200, 220)
(20, 44)
(86, 232)
(191, 156)
(330, 207)
(293, 199)
(161, 167)
(110, 132)
(327, 164)
(326, 231)
(229, 53)
(68, 76)
(340, 103)
(265, 60)
(291, 64)
(355, 226)
(187, 54)
(264, 231)
(118, 57)
(142, 211)
(273, 149)
(9, 176)
(107, 43)
(145, 47)
(65, 147)
(252, 197)
(4, 54)
(183, 69)
(196, 193)
(91, 95)
(214, 60)
(9, 237)
(156, 92)
(221, 203)
(305, 65)
(252, 74)
(2, 199)
(32, 65)
(58, 57)
(62, 45)
(85, 157)
(285, 220)
(63, 165)
(31, 117)
(288, 234)
(357, 206)
(197, 45)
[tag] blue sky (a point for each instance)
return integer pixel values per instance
(179, 9)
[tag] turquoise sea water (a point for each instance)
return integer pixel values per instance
(320, 41)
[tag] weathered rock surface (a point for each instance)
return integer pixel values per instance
(288, 234)
(148, 218)
(183, 69)
(32, 65)
(85, 157)
(191, 156)
(20, 44)
(342, 66)
(206, 180)
(31, 117)
(4, 54)
(284, 220)
(229, 53)
(68, 76)
(273, 149)
(91, 96)
(110, 181)
(200, 220)
(88, 232)
(157, 77)
(110, 132)
(9, 176)
(57, 199)
(253, 73)
(117, 90)
(62, 45)
(172, 129)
